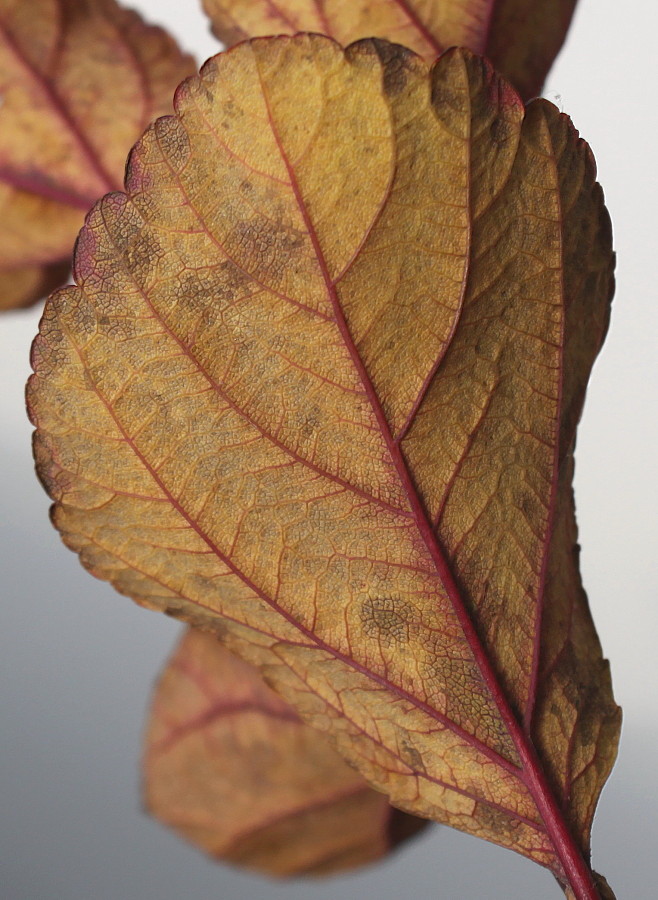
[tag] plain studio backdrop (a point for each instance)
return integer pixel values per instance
(77, 660)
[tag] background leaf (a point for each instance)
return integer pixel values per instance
(342, 338)
(520, 37)
(233, 768)
(79, 81)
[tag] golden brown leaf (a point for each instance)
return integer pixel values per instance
(80, 80)
(317, 390)
(520, 37)
(233, 768)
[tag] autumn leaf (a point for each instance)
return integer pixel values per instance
(520, 37)
(79, 80)
(316, 391)
(233, 768)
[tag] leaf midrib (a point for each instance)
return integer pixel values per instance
(273, 604)
(531, 771)
(418, 511)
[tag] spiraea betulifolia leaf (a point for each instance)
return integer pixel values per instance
(316, 391)
(233, 768)
(80, 80)
(520, 37)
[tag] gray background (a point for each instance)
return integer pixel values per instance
(77, 660)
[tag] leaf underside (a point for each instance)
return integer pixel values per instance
(79, 81)
(316, 392)
(520, 37)
(232, 767)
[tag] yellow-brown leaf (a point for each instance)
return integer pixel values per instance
(520, 37)
(80, 80)
(232, 767)
(317, 390)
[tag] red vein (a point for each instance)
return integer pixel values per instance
(326, 27)
(277, 11)
(460, 305)
(486, 29)
(428, 36)
(373, 222)
(314, 642)
(220, 710)
(217, 242)
(273, 604)
(532, 771)
(130, 564)
(231, 152)
(470, 440)
(59, 107)
(399, 462)
(288, 451)
(34, 183)
(433, 779)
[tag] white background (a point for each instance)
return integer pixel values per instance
(77, 660)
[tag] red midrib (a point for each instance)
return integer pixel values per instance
(532, 773)
(228, 562)
(314, 642)
(487, 751)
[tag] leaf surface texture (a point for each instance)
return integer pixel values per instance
(317, 391)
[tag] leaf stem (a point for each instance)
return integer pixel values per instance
(581, 884)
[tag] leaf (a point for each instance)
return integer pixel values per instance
(317, 391)
(520, 37)
(233, 768)
(79, 80)
(22, 285)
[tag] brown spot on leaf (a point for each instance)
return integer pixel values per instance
(388, 619)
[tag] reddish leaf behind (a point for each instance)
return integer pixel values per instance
(231, 767)
(80, 80)
(520, 37)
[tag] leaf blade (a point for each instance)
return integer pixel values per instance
(247, 548)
